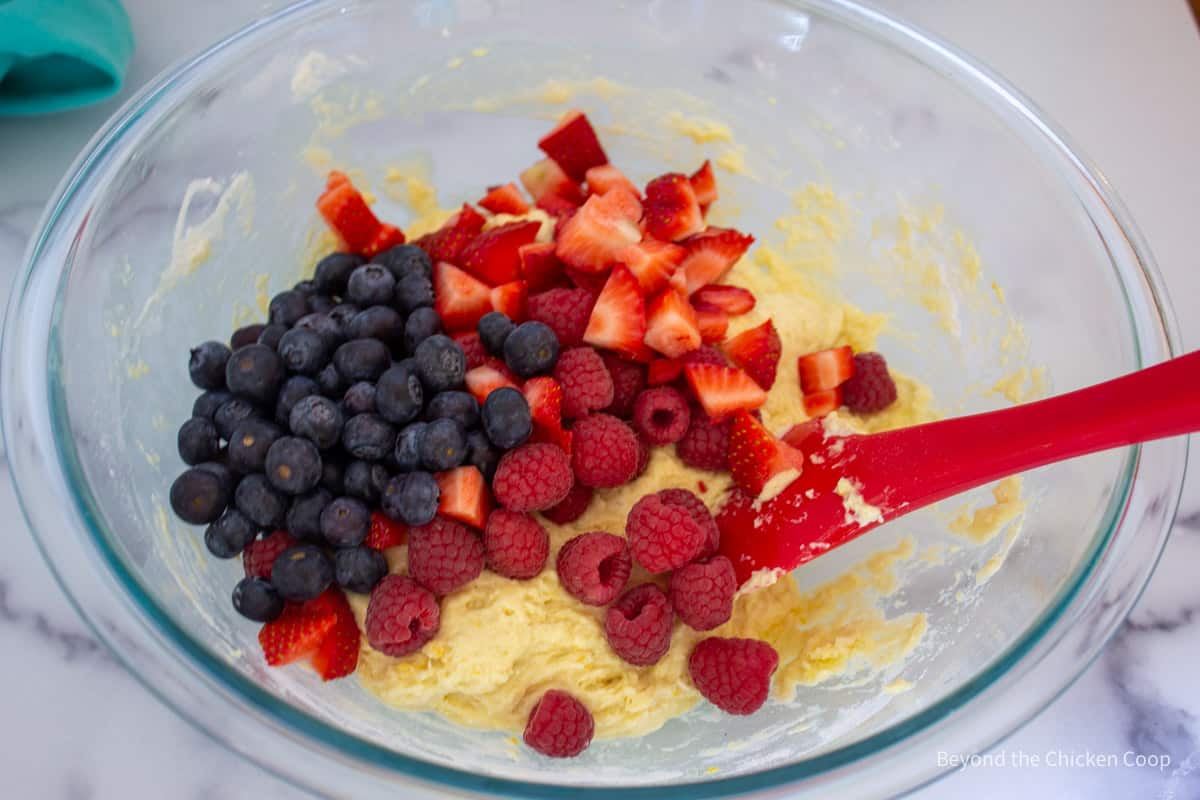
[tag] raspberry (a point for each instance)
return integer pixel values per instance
(661, 415)
(516, 545)
(444, 555)
(695, 506)
(604, 451)
(871, 388)
(559, 726)
(706, 443)
(638, 625)
(593, 567)
(472, 347)
(260, 554)
(532, 477)
(565, 311)
(733, 674)
(628, 381)
(643, 457)
(402, 616)
(702, 593)
(663, 535)
(585, 381)
(572, 506)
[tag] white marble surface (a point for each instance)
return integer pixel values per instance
(1119, 75)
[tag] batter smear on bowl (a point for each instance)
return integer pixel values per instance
(478, 469)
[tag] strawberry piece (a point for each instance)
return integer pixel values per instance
(540, 267)
(818, 404)
(723, 390)
(504, 199)
(711, 254)
(601, 179)
(492, 256)
(652, 262)
(618, 320)
(663, 370)
(347, 213)
(825, 369)
(510, 298)
(757, 351)
(297, 632)
(671, 326)
(592, 282)
(755, 456)
(448, 241)
(545, 180)
(714, 324)
(484, 380)
(464, 496)
(460, 299)
(385, 532)
(672, 212)
(387, 237)
(573, 145)
(557, 206)
(605, 224)
(337, 654)
(545, 396)
(704, 184)
(733, 300)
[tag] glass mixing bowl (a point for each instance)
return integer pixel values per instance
(197, 198)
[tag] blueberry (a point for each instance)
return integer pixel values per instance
(361, 360)
(378, 322)
(257, 499)
(459, 406)
(399, 395)
(304, 517)
(441, 363)
(443, 445)
(330, 381)
(320, 303)
(531, 349)
(481, 454)
(333, 271)
(318, 419)
(301, 572)
(406, 259)
(411, 498)
(345, 522)
(506, 418)
(198, 441)
(257, 600)
(421, 324)
(249, 443)
(303, 351)
(229, 534)
(333, 472)
(293, 465)
(370, 285)
(365, 480)
(247, 334)
(207, 403)
(494, 329)
(206, 365)
(368, 436)
(270, 336)
(255, 372)
(407, 453)
(306, 288)
(413, 291)
(320, 322)
(198, 496)
(231, 413)
(287, 307)
(358, 569)
(341, 315)
(294, 389)
(224, 475)
(359, 399)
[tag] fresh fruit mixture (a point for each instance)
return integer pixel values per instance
(443, 396)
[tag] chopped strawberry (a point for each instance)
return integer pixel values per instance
(337, 655)
(471, 345)
(387, 237)
(460, 299)
(733, 300)
(723, 390)
(797, 435)
(540, 267)
(618, 320)
(757, 351)
(347, 213)
(663, 370)
(755, 456)
(504, 199)
(573, 145)
(711, 254)
(492, 256)
(591, 239)
(704, 184)
(825, 369)
(482, 381)
(510, 298)
(464, 496)
(652, 262)
(625, 202)
(385, 532)
(448, 241)
(557, 206)
(590, 281)
(671, 327)
(297, 632)
(601, 179)
(713, 323)
(547, 179)
(544, 396)
(672, 212)
(818, 404)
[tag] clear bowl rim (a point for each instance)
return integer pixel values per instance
(887, 32)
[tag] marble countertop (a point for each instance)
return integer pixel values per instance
(1119, 76)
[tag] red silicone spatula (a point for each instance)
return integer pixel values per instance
(903, 470)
